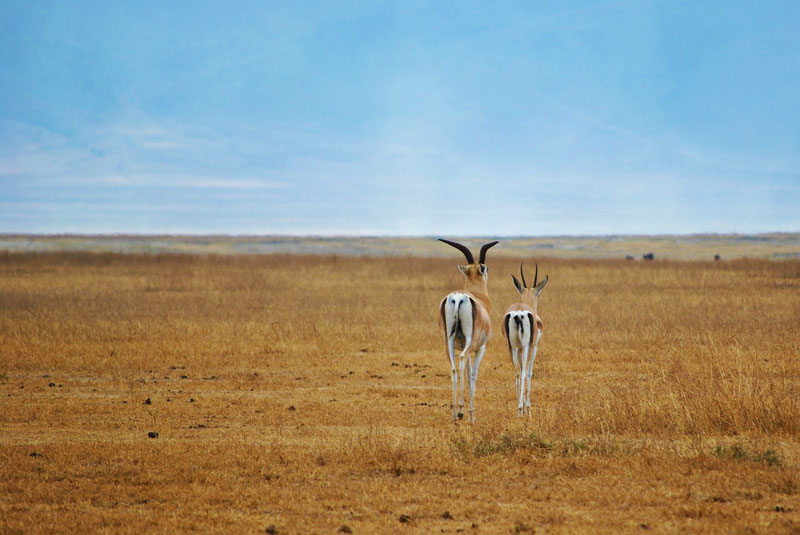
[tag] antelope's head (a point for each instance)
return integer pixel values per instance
(530, 296)
(473, 271)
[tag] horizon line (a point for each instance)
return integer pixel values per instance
(5, 235)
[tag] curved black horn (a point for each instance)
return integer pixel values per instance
(536, 276)
(524, 284)
(462, 248)
(485, 248)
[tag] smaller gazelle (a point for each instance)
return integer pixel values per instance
(522, 327)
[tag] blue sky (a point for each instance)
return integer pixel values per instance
(399, 118)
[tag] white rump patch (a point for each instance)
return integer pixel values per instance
(458, 318)
(519, 328)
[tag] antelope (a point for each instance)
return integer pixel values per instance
(464, 320)
(522, 328)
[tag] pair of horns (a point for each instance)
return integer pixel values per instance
(535, 276)
(468, 253)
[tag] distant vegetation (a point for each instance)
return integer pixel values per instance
(680, 247)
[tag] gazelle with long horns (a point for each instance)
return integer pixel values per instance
(522, 328)
(464, 319)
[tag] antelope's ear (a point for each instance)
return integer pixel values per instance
(464, 270)
(517, 284)
(542, 284)
(483, 269)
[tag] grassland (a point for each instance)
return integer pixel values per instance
(310, 394)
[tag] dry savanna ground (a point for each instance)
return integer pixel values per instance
(310, 394)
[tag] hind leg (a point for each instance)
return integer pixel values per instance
(521, 392)
(453, 373)
(530, 373)
(517, 375)
(462, 376)
(473, 380)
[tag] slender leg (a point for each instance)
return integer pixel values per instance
(468, 377)
(519, 377)
(473, 379)
(521, 391)
(462, 362)
(530, 372)
(453, 373)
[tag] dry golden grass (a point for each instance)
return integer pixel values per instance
(308, 394)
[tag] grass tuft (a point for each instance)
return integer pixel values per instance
(741, 452)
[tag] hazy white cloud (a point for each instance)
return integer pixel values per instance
(402, 119)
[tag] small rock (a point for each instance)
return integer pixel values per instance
(404, 518)
(271, 529)
(778, 508)
(447, 516)
(191, 400)
(344, 529)
(184, 376)
(291, 408)
(152, 434)
(51, 385)
(34, 454)
(148, 402)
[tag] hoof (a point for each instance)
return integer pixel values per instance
(460, 415)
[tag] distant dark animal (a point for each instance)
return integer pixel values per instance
(628, 257)
(648, 256)
(717, 258)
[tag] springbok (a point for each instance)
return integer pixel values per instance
(522, 327)
(464, 319)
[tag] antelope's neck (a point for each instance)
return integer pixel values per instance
(531, 301)
(479, 292)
